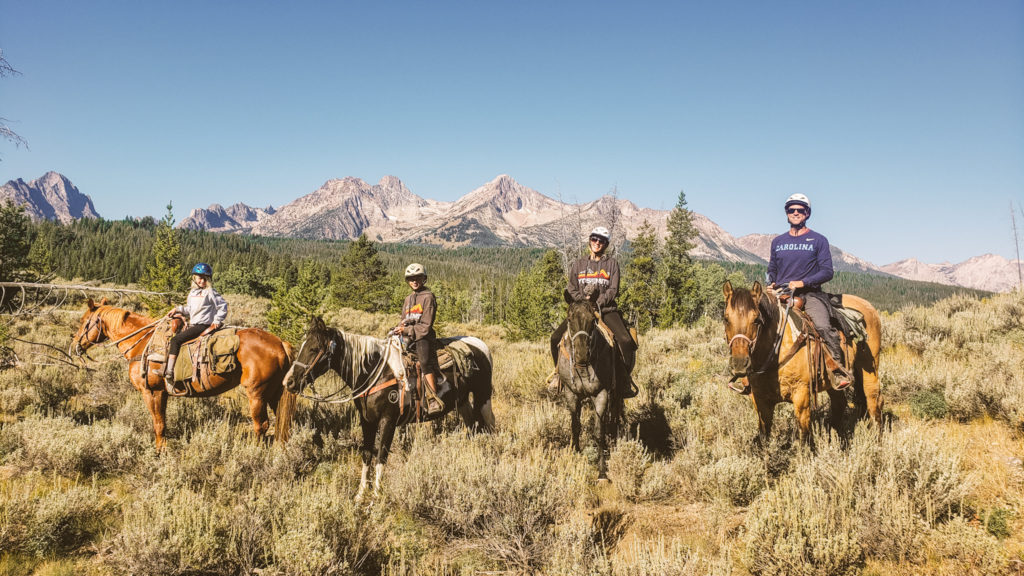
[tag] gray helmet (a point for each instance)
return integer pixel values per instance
(415, 269)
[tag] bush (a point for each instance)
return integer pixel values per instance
(52, 517)
(929, 405)
(797, 528)
(70, 449)
(736, 479)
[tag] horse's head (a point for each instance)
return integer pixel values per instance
(582, 322)
(314, 356)
(91, 329)
(744, 325)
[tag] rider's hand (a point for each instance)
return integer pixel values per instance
(793, 285)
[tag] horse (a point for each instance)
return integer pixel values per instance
(787, 368)
(368, 366)
(588, 368)
(263, 360)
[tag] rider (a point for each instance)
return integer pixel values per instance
(800, 260)
(601, 271)
(417, 324)
(205, 309)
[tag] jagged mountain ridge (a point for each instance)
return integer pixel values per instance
(50, 197)
(987, 272)
(499, 212)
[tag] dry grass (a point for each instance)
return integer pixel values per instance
(939, 492)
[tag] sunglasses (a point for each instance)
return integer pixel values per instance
(796, 211)
(598, 239)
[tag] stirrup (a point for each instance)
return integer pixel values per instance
(738, 388)
(172, 389)
(840, 380)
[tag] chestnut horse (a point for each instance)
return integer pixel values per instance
(366, 363)
(752, 324)
(263, 361)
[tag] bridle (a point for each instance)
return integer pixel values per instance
(326, 352)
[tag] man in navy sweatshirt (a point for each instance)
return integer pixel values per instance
(800, 259)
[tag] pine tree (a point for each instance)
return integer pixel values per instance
(681, 290)
(14, 241)
(536, 305)
(164, 270)
(641, 294)
(291, 307)
(362, 280)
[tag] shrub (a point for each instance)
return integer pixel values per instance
(797, 528)
(737, 479)
(929, 405)
(70, 449)
(49, 517)
(627, 465)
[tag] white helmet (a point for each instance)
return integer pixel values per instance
(602, 232)
(415, 269)
(799, 200)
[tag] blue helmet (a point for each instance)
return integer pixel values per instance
(203, 269)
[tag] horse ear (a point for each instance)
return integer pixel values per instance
(318, 322)
(104, 302)
(727, 290)
(91, 305)
(755, 292)
(566, 296)
(125, 317)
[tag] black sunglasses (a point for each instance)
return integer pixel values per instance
(796, 211)
(598, 239)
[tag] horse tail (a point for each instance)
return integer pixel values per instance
(286, 405)
(484, 388)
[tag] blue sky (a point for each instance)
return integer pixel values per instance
(903, 121)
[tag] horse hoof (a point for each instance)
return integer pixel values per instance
(603, 480)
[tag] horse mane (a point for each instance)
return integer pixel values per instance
(358, 356)
(743, 301)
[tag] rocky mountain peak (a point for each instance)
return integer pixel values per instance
(50, 197)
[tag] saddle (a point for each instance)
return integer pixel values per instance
(199, 359)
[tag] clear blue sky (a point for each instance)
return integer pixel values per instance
(903, 121)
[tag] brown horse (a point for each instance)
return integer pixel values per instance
(780, 367)
(588, 368)
(263, 361)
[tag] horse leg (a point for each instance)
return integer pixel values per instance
(366, 449)
(387, 435)
(765, 409)
(867, 388)
(483, 415)
(575, 424)
(802, 409)
(837, 414)
(156, 401)
(258, 411)
(602, 407)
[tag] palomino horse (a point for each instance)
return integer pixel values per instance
(263, 360)
(366, 364)
(588, 368)
(752, 323)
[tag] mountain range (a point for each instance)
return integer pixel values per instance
(500, 212)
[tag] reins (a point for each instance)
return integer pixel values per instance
(358, 391)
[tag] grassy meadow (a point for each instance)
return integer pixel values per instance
(939, 491)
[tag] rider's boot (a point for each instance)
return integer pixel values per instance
(840, 377)
(430, 394)
(169, 374)
(627, 388)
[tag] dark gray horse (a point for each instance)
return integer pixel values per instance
(588, 368)
(368, 366)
